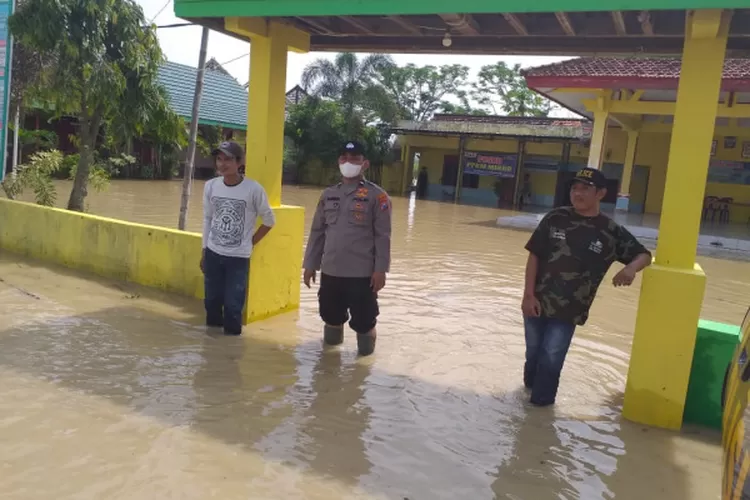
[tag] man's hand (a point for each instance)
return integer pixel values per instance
(377, 282)
(309, 276)
(203, 263)
(625, 277)
(531, 307)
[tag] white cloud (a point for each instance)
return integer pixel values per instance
(182, 44)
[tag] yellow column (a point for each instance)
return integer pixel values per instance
(672, 290)
(275, 266)
(598, 139)
(623, 197)
(407, 157)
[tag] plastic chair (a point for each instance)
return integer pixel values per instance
(709, 207)
(723, 206)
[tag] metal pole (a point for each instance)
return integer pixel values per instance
(15, 139)
(187, 178)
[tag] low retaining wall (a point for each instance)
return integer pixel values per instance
(153, 256)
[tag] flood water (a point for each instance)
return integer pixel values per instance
(110, 390)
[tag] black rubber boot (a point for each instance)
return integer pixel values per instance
(366, 343)
(333, 335)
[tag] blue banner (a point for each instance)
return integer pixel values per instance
(485, 163)
(6, 9)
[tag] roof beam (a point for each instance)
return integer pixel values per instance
(317, 25)
(647, 24)
(619, 21)
(629, 123)
(357, 24)
(462, 23)
(406, 25)
(516, 24)
(663, 108)
(565, 23)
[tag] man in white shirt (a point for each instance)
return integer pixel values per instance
(231, 206)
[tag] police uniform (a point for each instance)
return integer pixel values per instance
(350, 239)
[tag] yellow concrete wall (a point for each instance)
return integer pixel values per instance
(157, 257)
(543, 183)
(153, 256)
(391, 178)
(277, 260)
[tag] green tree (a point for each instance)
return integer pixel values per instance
(420, 91)
(106, 63)
(316, 128)
(501, 88)
(352, 82)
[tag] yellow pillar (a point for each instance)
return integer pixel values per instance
(623, 197)
(672, 290)
(598, 139)
(407, 157)
(275, 267)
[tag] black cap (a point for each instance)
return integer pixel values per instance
(592, 177)
(229, 148)
(352, 147)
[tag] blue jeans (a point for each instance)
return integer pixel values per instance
(547, 343)
(225, 281)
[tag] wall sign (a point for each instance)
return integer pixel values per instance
(746, 149)
(729, 172)
(6, 45)
(495, 164)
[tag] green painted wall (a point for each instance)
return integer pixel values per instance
(257, 8)
(714, 349)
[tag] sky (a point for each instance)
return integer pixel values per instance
(181, 45)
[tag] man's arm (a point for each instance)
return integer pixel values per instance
(267, 217)
(633, 254)
(208, 212)
(382, 232)
(316, 240)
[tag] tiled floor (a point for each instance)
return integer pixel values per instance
(714, 238)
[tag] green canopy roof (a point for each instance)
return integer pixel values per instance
(224, 100)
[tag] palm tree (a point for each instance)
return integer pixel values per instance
(348, 80)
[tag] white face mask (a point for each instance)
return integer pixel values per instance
(350, 170)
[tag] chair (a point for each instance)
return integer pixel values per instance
(709, 207)
(723, 207)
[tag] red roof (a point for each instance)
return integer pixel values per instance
(611, 72)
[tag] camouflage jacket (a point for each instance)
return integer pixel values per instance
(575, 252)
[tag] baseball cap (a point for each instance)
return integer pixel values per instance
(229, 148)
(352, 147)
(592, 177)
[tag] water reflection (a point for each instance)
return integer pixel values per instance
(337, 417)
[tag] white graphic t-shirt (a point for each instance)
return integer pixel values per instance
(229, 216)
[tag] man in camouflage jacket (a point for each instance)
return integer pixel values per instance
(569, 254)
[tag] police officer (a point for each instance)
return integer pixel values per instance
(350, 243)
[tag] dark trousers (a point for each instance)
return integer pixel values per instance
(547, 343)
(225, 281)
(337, 297)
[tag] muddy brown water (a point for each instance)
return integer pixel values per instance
(110, 390)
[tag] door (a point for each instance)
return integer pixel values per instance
(562, 190)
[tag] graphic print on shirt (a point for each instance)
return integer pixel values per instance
(228, 224)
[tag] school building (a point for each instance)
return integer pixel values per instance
(627, 105)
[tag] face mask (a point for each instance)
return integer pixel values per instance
(350, 170)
